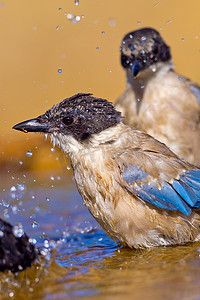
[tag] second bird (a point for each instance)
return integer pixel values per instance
(157, 100)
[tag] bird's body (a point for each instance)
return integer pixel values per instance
(139, 191)
(159, 101)
(98, 168)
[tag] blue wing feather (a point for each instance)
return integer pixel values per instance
(154, 200)
(182, 194)
(185, 191)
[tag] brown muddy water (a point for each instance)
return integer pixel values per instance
(79, 261)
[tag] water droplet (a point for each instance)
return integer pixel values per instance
(1, 234)
(21, 162)
(76, 19)
(52, 177)
(29, 153)
(46, 243)
(103, 32)
(156, 5)
(18, 230)
(154, 69)
(14, 209)
(68, 168)
(52, 244)
(112, 22)
(143, 38)
(97, 48)
(34, 224)
(59, 70)
(60, 9)
(47, 199)
(13, 189)
(44, 251)
(21, 187)
(70, 16)
(82, 16)
(139, 23)
(182, 39)
(76, 2)
(196, 36)
(11, 294)
(32, 241)
(168, 22)
(57, 27)
(53, 150)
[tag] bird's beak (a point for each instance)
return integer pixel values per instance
(32, 125)
(136, 68)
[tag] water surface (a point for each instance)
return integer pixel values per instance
(80, 261)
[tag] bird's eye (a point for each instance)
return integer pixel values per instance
(67, 120)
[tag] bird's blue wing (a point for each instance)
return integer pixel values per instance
(179, 194)
(196, 91)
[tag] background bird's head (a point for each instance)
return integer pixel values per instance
(143, 48)
(79, 116)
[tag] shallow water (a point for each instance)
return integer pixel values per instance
(80, 260)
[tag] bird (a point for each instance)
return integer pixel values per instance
(16, 251)
(140, 192)
(158, 100)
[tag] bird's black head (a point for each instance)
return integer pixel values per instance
(80, 116)
(142, 48)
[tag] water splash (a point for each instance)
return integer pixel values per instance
(17, 192)
(18, 230)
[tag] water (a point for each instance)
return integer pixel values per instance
(81, 261)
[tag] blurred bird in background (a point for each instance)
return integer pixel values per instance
(157, 100)
(139, 191)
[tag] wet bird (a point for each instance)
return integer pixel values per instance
(136, 188)
(157, 100)
(16, 252)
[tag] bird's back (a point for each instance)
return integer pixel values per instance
(169, 111)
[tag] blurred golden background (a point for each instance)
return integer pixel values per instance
(51, 50)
